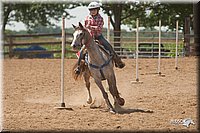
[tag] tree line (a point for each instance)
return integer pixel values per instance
(126, 12)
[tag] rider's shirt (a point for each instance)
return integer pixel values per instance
(94, 21)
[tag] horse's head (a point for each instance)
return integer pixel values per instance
(78, 35)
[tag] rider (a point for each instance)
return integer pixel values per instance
(94, 23)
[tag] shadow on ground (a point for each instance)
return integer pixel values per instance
(121, 110)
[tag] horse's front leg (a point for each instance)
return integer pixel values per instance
(105, 95)
(114, 91)
(86, 76)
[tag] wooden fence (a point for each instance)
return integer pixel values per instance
(126, 49)
(13, 41)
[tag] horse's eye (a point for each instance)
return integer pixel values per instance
(81, 34)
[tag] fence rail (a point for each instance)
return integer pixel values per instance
(126, 48)
(14, 41)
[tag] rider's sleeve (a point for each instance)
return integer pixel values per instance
(100, 24)
(87, 22)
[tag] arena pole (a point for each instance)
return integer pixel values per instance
(176, 58)
(137, 51)
(159, 52)
(62, 103)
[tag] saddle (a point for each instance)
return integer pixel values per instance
(86, 62)
(100, 46)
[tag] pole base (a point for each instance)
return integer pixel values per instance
(137, 82)
(160, 74)
(62, 106)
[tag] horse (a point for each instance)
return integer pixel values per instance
(99, 66)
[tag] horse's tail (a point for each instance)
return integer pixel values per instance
(82, 69)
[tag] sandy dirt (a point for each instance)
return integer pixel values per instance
(31, 91)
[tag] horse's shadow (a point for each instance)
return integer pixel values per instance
(121, 110)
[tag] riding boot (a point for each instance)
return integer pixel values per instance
(118, 62)
(107, 46)
(78, 69)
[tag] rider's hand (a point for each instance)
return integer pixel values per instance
(93, 27)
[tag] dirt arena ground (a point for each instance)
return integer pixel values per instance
(32, 91)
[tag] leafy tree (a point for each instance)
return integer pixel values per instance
(169, 13)
(123, 13)
(34, 14)
(148, 13)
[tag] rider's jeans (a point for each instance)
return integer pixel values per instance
(105, 43)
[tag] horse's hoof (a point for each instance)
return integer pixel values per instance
(120, 101)
(89, 100)
(112, 111)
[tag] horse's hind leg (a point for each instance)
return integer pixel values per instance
(105, 95)
(86, 76)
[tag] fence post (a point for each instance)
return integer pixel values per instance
(10, 47)
(196, 10)
(187, 36)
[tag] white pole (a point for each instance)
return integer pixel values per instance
(63, 62)
(137, 41)
(137, 51)
(159, 52)
(108, 30)
(62, 103)
(176, 58)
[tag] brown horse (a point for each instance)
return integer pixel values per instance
(99, 66)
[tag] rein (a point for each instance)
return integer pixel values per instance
(88, 41)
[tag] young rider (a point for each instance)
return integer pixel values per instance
(94, 23)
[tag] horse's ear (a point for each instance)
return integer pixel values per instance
(80, 25)
(74, 26)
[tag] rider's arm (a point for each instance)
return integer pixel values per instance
(98, 25)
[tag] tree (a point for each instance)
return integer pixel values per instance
(169, 13)
(119, 13)
(34, 14)
(196, 28)
(148, 13)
